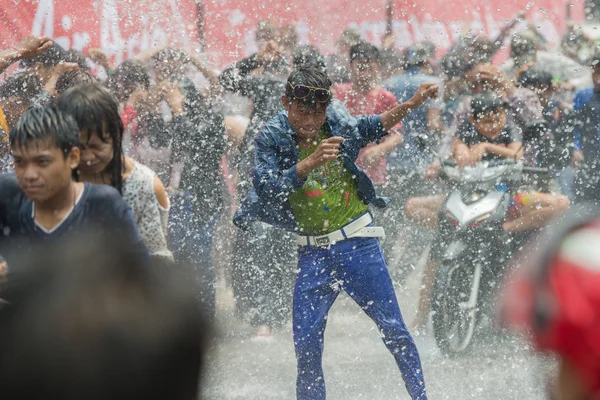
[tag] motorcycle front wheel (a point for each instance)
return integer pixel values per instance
(454, 306)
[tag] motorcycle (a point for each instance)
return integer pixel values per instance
(478, 248)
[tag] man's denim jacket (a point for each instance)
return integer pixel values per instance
(276, 155)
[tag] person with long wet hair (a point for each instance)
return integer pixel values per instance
(103, 161)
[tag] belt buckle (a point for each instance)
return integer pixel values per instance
(322, 240)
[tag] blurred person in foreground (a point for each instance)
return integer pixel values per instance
(306, 181)
(85, 320)
(553, 296)
(47, 201)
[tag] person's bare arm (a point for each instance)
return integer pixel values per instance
(393, 117)
(28, 47)
(513, 150)
(463, 155)
(209, 74)
(374, 153)
(101, 58)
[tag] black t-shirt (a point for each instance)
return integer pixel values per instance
(101, 209)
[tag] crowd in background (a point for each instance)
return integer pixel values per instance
(175, 138)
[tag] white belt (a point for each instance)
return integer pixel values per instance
(356, 228)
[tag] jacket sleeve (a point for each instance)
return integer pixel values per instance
(371, 128)
(270, 180)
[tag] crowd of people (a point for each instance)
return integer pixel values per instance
(315, 158)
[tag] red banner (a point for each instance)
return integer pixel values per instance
(124, 28)
(231, 23)
(120, 27)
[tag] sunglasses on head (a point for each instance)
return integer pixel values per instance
(301, 92)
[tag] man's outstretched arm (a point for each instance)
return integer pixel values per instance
(393, 117)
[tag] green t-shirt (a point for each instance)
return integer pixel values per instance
(329, 198)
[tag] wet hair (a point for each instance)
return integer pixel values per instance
(126, 78)
(364, 52)
(485, 103)
(73, 77)
(24, 85)
(118, 329)
(535, 78)
(50, 58)
(41, 123)
(77, 57)
(96, 111)
(309, 56)
(308, 77)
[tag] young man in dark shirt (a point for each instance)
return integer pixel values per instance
(55, 205)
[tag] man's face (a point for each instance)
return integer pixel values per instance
(42, 169)
(306, 120)
(96, 154)
(364, 73)
(489, 124)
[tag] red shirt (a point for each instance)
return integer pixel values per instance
(377, 101)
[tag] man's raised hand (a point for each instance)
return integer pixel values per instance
(426, 91)
(31, 46)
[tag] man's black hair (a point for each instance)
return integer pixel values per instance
(73, 77)
(40, 123)
(77, 57)
(308, 77)
(50, 58)
(364, 52)
(485, 103)
(309, 56)
(535, 78)
(24, 85)
(96, 111)
(126, 78)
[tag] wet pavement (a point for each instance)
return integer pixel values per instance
(357, 365)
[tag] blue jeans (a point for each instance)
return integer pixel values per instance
(358, 267)
(191, 240)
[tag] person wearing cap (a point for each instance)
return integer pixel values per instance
(586, 137)
(553, 297)
(306, 180)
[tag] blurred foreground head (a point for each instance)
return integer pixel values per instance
(555, 297)
(88, 322)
